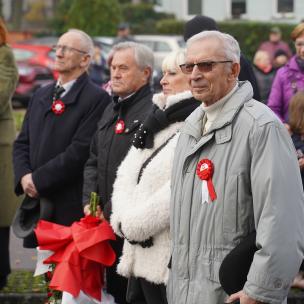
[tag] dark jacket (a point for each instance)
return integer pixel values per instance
(55, 147)
(246, 73)
(298, 142)
(264, 81)
(108, 149)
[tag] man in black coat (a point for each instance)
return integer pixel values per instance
(53, 145)
(203, 23)
(131, 70)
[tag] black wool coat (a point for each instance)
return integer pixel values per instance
(54, 148)
(246, 73)
(108, 149)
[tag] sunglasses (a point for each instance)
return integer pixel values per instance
(204, 66)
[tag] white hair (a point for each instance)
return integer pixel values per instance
(86, 41)
(142, 54)
(173, 60)
(231, 47)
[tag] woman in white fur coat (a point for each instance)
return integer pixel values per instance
(141, 195)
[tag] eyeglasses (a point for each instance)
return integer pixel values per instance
(65, 48)
(299, 44)
(204, 66)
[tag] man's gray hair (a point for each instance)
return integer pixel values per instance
(143, 55)
(231, 47)
(86, 41)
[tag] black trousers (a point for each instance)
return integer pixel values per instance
(116, 284)
(5, 268)
(141, 291)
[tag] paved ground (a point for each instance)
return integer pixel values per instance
(21, 258)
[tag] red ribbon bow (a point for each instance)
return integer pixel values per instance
(205, 170)
(80, 253)
(58, 107)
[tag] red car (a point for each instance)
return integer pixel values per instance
(31, 77)
(35, 66)
(35, 54)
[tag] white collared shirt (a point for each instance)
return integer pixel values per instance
(213, 110)
(67, 86)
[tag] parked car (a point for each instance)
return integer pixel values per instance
(105, 43)
(161, 45)
(35, 54)
(31, 77)
(35, 65)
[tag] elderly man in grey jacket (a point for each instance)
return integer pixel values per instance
(235, 171)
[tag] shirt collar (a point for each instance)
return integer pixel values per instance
(67, 86)
(126, 97)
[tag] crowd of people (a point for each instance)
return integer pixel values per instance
(193, 178)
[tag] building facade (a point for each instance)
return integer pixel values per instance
(280, 11)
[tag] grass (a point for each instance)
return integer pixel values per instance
(23, 281)
(18, 117)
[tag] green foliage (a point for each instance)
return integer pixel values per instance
(1, 9)
(142, 17)
(95, 17)
(60, 16)
(249, 34)
(36, 13)
(101, 17)
(23, 281)
(170, 26)
(18, 117)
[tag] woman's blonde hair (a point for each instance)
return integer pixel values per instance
(297, 31)
(173, 60)
(296, 113)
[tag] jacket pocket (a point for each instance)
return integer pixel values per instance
(230, 205)
(206, 268)
(238, 217)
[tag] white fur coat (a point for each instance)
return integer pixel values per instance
(142, 209)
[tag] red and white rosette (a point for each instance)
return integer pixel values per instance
(58, 107)
(205, 170)
(120, 126)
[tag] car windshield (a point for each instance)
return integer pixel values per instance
(22, 55)
(52, 55)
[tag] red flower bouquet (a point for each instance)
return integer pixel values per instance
(80, 253)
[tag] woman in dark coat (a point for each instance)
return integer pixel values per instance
(264, 73)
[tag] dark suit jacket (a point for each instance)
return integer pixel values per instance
(55, 148)
(109, 149)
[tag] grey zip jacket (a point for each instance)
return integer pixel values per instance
(258, 186)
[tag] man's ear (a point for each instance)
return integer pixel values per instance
(235, 71)
(85, 61)
(147, 73)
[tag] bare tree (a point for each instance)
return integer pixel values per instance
(1, 9)
(16, 17)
